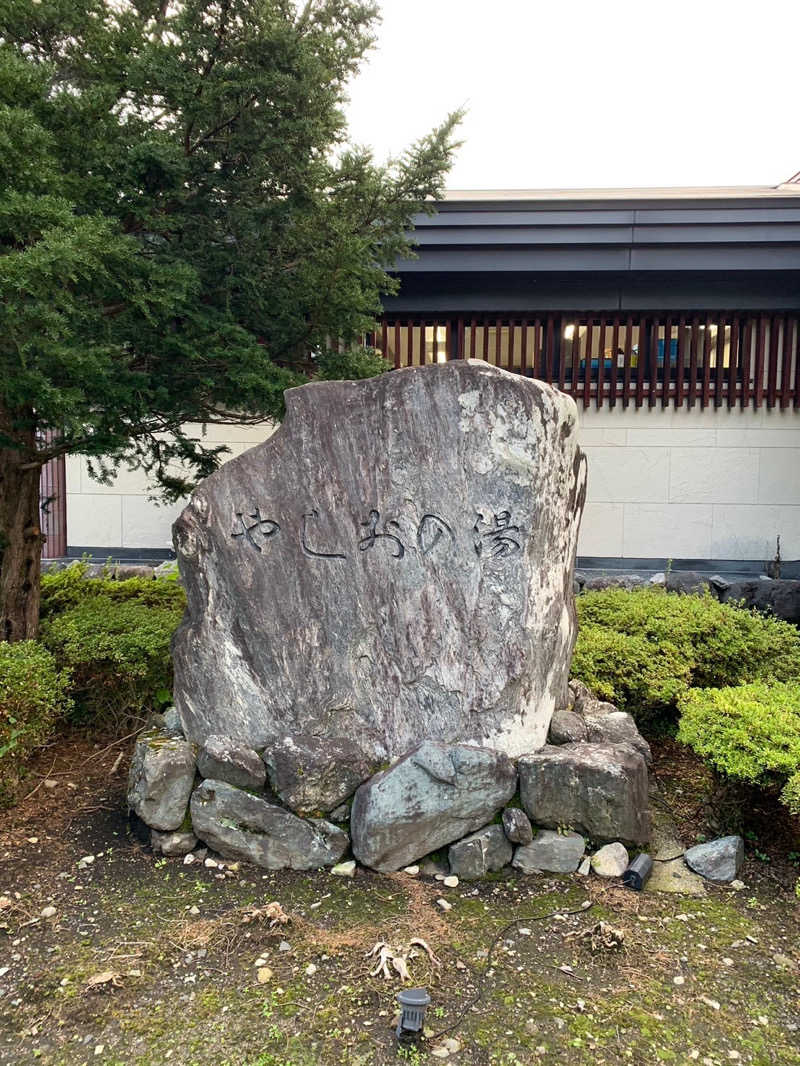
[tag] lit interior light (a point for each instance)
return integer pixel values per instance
(569, 331)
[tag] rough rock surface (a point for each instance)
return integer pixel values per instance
(223, 759)
(397, 557)
(480, 853)
(317, 774)
(517, 826)
(240, 825)
(432, 796)
(558, 853)
(717, 860)
(598, 789)
(616, 727)
(172, 844)
(611, 860)
(566, 727)
(160, 780)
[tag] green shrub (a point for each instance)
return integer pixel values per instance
(68, 588)
(118, 651)
(663, 644)
(33, 695)
(749, 733)
(629, 670)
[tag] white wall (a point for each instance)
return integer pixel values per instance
(699, 484)
(120, 515)
(703, 484)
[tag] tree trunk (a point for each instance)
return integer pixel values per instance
(21, 542)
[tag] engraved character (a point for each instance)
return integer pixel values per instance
(266, 527)
(368, 540)
(314, 513)
(431, 530)
(498, 540)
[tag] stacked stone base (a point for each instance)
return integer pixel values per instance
(304, 805)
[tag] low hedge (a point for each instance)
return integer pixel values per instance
(34, 694)
(117, 649)
(643, 649)
(71, 587)
(748, 733)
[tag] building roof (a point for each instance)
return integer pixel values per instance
(788, 189)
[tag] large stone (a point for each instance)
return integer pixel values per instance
(223, 759)
(318, 774)
(480, 853)
(597, 789)
(780, 597)
(172, 844)
(160, 780)
(517, 826)
(616, 727)
(240, 825)
(717, 860)
(431, 797)
(611, 860)
(567, 727)
(396, 558)
(549, 852)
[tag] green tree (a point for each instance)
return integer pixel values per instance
(182, 226)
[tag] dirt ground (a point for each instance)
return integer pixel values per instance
(150, 961)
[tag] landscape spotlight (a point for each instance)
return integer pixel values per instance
(413, 1004)
(638, 873)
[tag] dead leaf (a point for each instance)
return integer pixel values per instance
(107, 977)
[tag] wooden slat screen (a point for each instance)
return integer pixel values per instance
(53, 508)
(710, 358)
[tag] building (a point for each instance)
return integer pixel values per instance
(671, 315)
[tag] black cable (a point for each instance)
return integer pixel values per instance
(493, 944)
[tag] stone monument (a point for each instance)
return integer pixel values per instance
(393, 565)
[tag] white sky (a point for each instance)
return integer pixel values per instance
(572, 93)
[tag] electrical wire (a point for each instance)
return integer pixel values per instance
(478, 996)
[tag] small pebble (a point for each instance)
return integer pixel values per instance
(48, 912)
(737, 885)
(50, 783)
(412, 871)
(194, 910)
(311, 969)
(211, 864)
(284, 946)
(188, 859)
(450, 882)
(444, 904)
(679, 980)
(264, 974)
(344, 869)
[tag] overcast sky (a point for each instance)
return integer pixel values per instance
(571, 93)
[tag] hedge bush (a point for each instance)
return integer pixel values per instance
(33, 695)
(68, 588)
(750, 733)
(645, 648)
(116, 644)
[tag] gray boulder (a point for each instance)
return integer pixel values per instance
(319, 773)
(687, 582)
(434, 795)
(616, 727)
(780, 597)
(549, 852)
(160, 780)
(172, 722)
(597, 789)
(172, 844)
(578, 693)
(717, 860)
(240, 825)
(566, 727)
(611, 860)
(517, 826)
(397, 557)
(480, 853)
(222, 759)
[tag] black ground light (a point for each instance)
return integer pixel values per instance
(638, 873)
